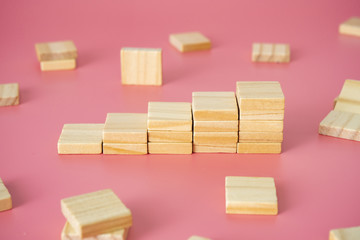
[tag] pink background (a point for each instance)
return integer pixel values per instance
(175, 196)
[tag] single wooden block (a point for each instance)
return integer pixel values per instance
(9, 94)
(352, 233)
(269, 52)
(125, 148)
(5, 198)
(214, 148)
(251, 195)
(214, 106)
(141, 66)
(260, 137)
(266, 115)
(96, 213)
(198, 238)
(68, 233)
(170, 136)
(215, 137)
(349, 98)
(56, 51)
(190, 41)
(342, 125)
(170, 148)
(261, 126)
(259, 147)
(55, 65)
(216, 126)
(125, 128)
(350, 27)
(170, 116)
(81, 139)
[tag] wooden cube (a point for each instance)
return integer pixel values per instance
(9, 94)
(125, 148)
(5, 198)
(269, 52)
(220, 138)
(55, 65)
(259, 147)
(352, 233)
(261, 126)
(349, 98)
(260, 137)
(214, 148)
(350, 27)
(198, 238)
(61, 50)
(170, 148)
(170, 137)
(216, 126)
(190, 41)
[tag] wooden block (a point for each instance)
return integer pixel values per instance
(214, 106)
(9, 94)
(251, 195)
(342, 125)
(141, 66)
(125, 148)
(56, 51)
(125, 128)
(214, 148)
(260, 137)
(269, 52)
(55, 65)
(215, 137)
(350, 27)
(96, 213)
(81, 139)
(170, 116)
(349, 98)
(5, 198)
(68, 233)
(352, 233)
(170, 136)
(170, 148)
(259, 148)
(190, 41)
(198, 238)
(216, 126)
(267, 115)
(261, 126)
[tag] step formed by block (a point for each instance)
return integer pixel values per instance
(350, 27)
(170, 136)
(5, 198)
(260, 137)
(56, 51)
(261, 126)
(352, 233)
(214, 148)
(216, 126)
(9, 94)
(259, 148)
(270, 52)
(55, 65)
(190, 41)
(170, 148)
(215, 137)
(125, 148)
(198, 238)
(349, 98)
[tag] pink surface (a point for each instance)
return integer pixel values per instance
(175, 196)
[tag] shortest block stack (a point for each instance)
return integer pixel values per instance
(9, 94)
(5, 198)
(268, 52)
(352, 233)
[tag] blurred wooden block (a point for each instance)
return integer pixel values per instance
(9, 94)
(260, 137)
(56, 51)
(251, 195)
(190, 41)
(125, 148)
(170, 148)
(170, 136)
(216, 126)
(261, 126)
(259, 147)
(81, 139)
(214, 106)
(342, 125)
(266, 115)
(214, 148)
(169, 116)
(96, 213)
(125, 128)
(349, 98)
(350, 27)
(5, 198)
(352, 233)
(141, 66)
(55, 65)
(269, 52)
(215, 137)
(198, 238)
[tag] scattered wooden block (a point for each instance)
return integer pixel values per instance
(5, 198)
(96, 213)
(352, 233)
(261, 126)
(141, 66)
(125, 148)
(214, 148)
(190, 41)
(9, 94)
(198, 238)
(259, 148)
(350, 27)
(216, 126)
(349, 98)
(54, 65)
(269, 52)
(215, 137)
(170, 148)
(260, 137)
(170, 136)
(251, 195)
(56, 51)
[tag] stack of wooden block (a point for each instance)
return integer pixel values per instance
(215, 122)
(261, 114)
(169, 127)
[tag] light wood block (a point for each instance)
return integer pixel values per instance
(349, 98)
(9, 94)
(352, 233)
(261, 126)
(259, 148)
(96, 213)
(55, 65)
(170, 116)
(260, 137)
(68, 233)
(190, 41)
(170, 136)
(214, 148)
(250, 195)
(5, 198)
(214, 106)
(125, 128)
(216, 126)
(198, 238)
(125, 148)
(170, 148)
(266, 115)
(81, 139)
(350, 27)
(269, 52)
(56, 51)
(342, 125)
(215, 137)
(141, 66)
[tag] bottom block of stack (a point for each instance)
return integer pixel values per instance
(259, 148)
(214, 148)
(170, 148)
(125, 148)
(65, 64)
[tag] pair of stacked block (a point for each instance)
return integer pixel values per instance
(261, 114)
(215, 122)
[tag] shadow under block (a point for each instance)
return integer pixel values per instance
(251, 195)
(350, 27)
(96, 213)
(215, 137)
(260, 137)
(170, 148)
(81, 139)
(125, 148)
(54, 65)
(259, 148)
(170, 116)
(169, 136)
(216, 126)
(5, 198)
(352, 233)
(198, 238)
(9, 94)
(214, 148)
(214, 106)
(349, 98)
(141, 66)
(261, 126)
(56, 51)
(269, 52)
(190, 41)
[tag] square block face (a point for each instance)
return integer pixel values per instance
(141, 66)
(198, 238)
(125, 128)
(349, 98)
(170, 148)
(352, 233)
(220, 138)
(259, 148)
(260, 137)
(56, 51)
(9, 94)
(55, 65)
(170, 116)
(250, 195)
(216, 126)
(351, 27)
(125, 148)
(191, 41)
(214, 148)
(269, 52)
(5, 198)
(261, 126)
(96, 213)
(170, 136)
